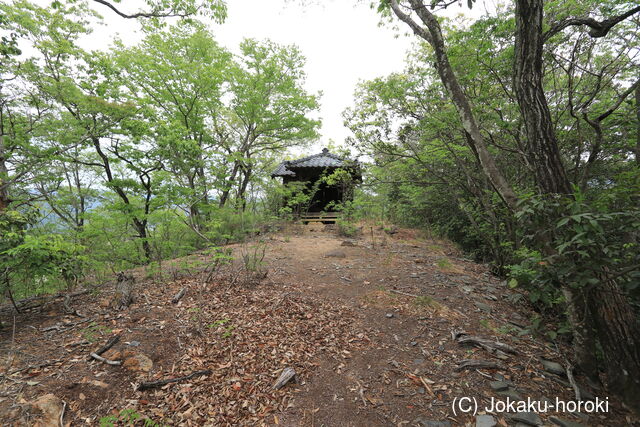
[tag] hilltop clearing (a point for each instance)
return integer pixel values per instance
(381, 329)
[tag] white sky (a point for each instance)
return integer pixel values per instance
(340, 39)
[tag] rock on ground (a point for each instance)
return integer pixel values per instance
(485, 421)
(51, 407)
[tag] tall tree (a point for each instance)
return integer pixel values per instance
(269, 110)
(617, 326)
(179, 75)
(87, 92)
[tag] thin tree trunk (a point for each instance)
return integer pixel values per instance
(242, 200)
(82, 207)
(460, 100)
(638, 125)
(140, 224)
(227, 190)
(4, 176)
(7, 285)
(141, 228)
(596, 124)
(194, 213)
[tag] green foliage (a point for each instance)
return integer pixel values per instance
(227, 224)
(426, 301)
(218, 323)
(94, 332)
(128, 417)
(589, 243)
(139, 154)
(33, 263)
(293, 198)
(346, 228)
(218, 257)
(443, 263)
(227, 331)
(253, 257)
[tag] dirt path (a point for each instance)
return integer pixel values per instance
(407, 375)
(342, 312)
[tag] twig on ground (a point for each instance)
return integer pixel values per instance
(41, 300)
(179, 296)
(496, 348)
(77, 343)
(572, 381)
(426, 386)
(112, 341)
(64, 326)
(403, 293)
(153, 384)
(483, 374)
(38, 366)
(64, 406)
(477, 364)
(107, 361)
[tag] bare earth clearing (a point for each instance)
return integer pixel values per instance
(364, 355)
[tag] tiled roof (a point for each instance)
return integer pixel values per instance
(320, 160)
(282, 170)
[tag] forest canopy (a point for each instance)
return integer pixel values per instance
(110, 159)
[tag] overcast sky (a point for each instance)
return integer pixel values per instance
(341, 40)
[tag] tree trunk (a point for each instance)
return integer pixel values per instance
(4, 176)
(617, 327)
(638, 125)
(227, 190)
(242, 200)
(584, 334)
(543, 149)
(618, 331)
(204, 199)
(123, 296)
(141, 228)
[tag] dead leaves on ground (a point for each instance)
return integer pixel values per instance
(422, 305)
(247, 337)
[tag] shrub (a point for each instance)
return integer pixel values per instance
(346, 229)
(36, 263)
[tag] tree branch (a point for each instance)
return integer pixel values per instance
(597, 28)
(143, 14)
(417, 29)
